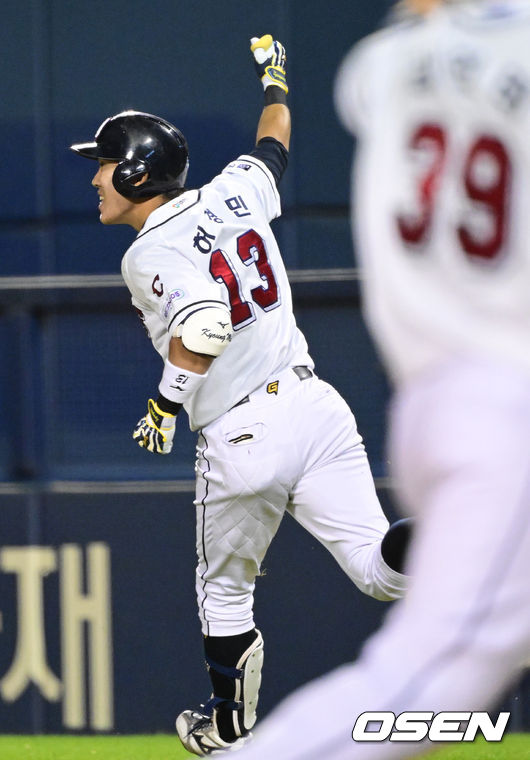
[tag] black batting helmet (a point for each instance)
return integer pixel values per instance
(141, 144)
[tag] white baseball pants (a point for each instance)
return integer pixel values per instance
(293, 447)
(460, 444)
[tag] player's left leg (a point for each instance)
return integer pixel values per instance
(336, 501)
(240, 503)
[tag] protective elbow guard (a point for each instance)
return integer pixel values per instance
(207, 331)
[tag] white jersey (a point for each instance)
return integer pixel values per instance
(442, 184)
(215, 245)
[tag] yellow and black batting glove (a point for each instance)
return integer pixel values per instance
(269, 61)
(156, 430)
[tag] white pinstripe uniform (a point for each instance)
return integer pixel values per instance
(293, 444)
(442, 181)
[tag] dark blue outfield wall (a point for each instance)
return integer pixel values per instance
(99, 623)
(99, 631)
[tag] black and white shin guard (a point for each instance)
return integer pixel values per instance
(234, 665)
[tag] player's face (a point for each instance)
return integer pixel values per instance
(113, 207)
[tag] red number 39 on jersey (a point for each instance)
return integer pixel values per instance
(485, 183)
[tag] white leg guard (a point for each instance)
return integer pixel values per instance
(247, 687)
(241, 683)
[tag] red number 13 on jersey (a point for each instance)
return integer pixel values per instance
(251, 250)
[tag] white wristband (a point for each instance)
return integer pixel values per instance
(179, 384)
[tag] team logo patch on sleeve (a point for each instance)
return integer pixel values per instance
(273, 387)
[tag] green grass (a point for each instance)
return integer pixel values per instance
(512, 747)
(167, 747)
(155, 747)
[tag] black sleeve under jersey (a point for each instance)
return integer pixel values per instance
(273, 154)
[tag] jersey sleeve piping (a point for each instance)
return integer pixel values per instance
(189, 308)
(260, 165)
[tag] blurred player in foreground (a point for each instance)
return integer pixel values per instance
(207, 279)
(441, 109)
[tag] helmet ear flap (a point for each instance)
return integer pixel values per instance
(125, 176)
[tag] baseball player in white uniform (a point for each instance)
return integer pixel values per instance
(441, 109)
(207, 279)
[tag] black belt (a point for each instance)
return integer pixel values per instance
(302, 372)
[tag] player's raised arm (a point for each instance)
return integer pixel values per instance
(269, 61)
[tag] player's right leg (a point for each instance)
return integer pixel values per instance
(335, 497)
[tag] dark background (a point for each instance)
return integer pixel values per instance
(77, 368)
